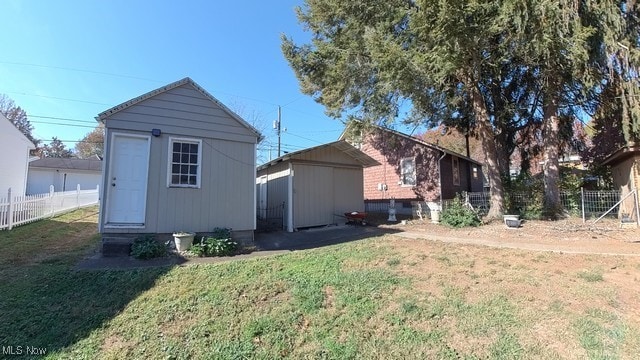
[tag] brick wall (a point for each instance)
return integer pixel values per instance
(389, 149)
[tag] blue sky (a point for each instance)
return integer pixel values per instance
(69, 59)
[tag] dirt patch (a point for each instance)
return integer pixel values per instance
(571, 236)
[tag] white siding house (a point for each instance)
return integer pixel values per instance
(14, 159)
(63, 174)
(176, 159)
(316, 185)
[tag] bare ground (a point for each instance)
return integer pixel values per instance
(570, 236)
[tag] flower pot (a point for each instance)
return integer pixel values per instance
(183, 241)
(512, 222)
(435, 216)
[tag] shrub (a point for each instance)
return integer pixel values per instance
(219, 247)
(458, 215)
(146, 247)
(218, 244)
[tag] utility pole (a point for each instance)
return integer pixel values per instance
(277, 126)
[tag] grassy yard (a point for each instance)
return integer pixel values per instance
(377, 298)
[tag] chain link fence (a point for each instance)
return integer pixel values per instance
(585, 203)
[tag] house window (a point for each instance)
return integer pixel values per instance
(408, 172)
(184, 162)
(455, 163)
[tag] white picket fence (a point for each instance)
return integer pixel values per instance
(20, 210)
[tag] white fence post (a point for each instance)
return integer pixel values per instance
(51, 195)
(10, 210)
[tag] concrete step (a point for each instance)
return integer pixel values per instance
(116, 246)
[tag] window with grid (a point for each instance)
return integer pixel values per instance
(408, 171)
(184, 168)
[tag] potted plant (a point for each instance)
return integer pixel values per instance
(512, 221)
(183, 240)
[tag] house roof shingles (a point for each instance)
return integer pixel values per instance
(418, 141)
(67, 163)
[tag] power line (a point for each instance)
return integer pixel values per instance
(55, 98)
(71, 125)
(302, 137)
(78, 70)
(60, 118)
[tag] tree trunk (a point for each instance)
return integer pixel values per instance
(551, 167)
(487, 139)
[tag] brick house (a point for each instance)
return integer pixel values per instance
(411, 169)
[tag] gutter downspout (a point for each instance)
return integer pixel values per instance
(440, 177)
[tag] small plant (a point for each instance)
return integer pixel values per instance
(593, 275)
(145, 247)
(218, 244)
(219, 247)
(196, 250)
(458, 215)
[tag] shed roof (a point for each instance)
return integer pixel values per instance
(107, 113)
(621, 155)
(67, 163)
(416, 140)
(341, 145)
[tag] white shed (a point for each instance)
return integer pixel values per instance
(14, 158)
(316, 185)
(177, 159)
(64, 174)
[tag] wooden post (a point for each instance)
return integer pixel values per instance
(10, 210)
(584, 219)
(77, 196)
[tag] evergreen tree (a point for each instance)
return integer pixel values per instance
(371, 58)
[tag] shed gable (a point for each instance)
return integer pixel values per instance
(180, 108)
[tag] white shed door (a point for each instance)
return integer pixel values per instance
(127, 182)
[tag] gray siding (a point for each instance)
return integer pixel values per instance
(327, 156)
(326, 184)
(313, 195)
(225, 198)
(277, 185)
(348, 190)
(183, 110)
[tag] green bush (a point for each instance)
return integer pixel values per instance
(458, 215)
(218, 244)
(146, 247)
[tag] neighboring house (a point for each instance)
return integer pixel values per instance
(14, 158)
(412, 169)
(64, 174)
(177, 159)
(316, 185)
(625, 168)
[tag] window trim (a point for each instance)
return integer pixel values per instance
(455, 170)
(170, 162)
(415, 178)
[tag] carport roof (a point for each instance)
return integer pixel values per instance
(341, 145)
